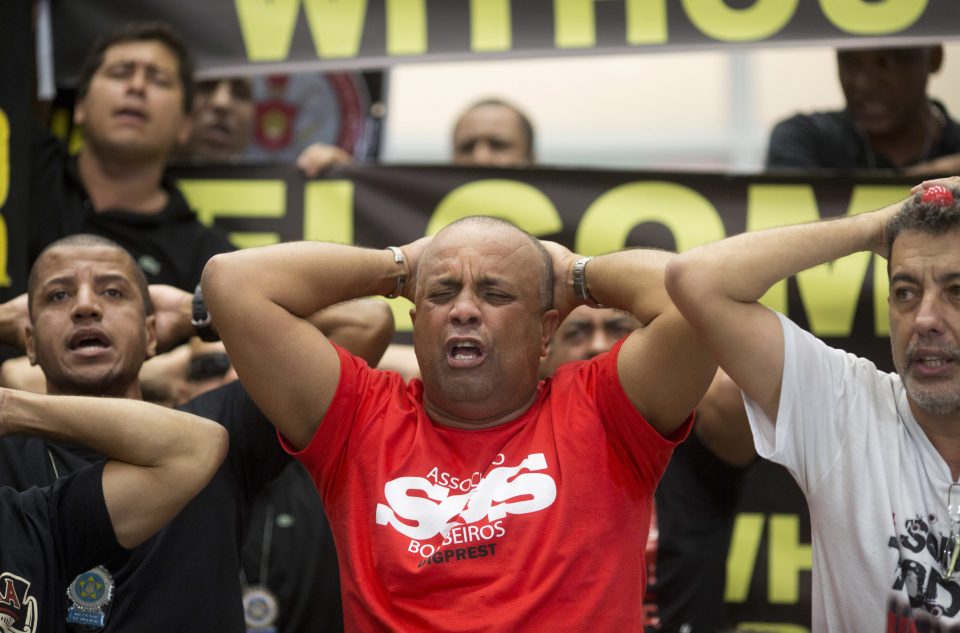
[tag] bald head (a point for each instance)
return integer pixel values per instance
(495, 227)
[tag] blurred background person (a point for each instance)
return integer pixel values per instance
(889, 121)
(493, 133)
(696, 499)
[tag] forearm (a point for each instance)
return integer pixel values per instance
(302, 278)
(13, 322)
(743, 267)
(631, 280)
(363, 327)
(129, 431)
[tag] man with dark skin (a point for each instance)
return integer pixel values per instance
(889, 121)
(492, 538)
(91, 325)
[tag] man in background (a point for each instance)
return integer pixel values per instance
(889, 121)
(493, 133)
(134, 97)
(697, 495)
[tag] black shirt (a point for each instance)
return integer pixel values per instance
(290, 550)
(187, 577)
(832, 140)
(49, 535)
(171, 246)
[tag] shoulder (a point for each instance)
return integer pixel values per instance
(228, 405)
(827, 124)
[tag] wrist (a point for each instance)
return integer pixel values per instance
(200, 318)
(399, 272)
(580, 283)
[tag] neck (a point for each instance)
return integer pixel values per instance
(944, 434)
(115, 184)
(468, 418)
(130, 391)
(911, 142)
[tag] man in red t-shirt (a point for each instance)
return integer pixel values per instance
(479, 498)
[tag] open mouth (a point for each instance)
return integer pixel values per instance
(130, 114)
(88, 341)
(462, 353)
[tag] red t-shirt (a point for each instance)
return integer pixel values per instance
(536, 524)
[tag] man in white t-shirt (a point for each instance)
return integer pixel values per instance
(876, 454)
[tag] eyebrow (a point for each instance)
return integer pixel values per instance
(902, 276)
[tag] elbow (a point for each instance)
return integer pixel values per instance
(214, 448)
(681, 279)
(216, 277)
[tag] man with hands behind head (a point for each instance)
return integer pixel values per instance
(876, 454)
(475, 497)
(91, 324)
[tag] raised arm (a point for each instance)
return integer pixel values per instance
(261, 300)
(717, 288)
(363, 327)
(159, 458)
(664, 368)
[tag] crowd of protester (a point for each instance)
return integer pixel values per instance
(532, 462)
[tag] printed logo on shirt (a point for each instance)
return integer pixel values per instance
(901, 618)
(918, 571)
(463, 515)
(18, 609)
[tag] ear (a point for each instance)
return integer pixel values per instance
(186, 127)
(29, 344)
(151, 324)
(549, 323)
(79, 112)
(413, 314)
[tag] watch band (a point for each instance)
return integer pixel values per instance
(201, 318)
(402, 277)
(580, 282)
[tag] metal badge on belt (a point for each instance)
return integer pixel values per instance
(91, 594)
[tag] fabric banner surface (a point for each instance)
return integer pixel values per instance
(259, 36)
(592, 212)
(15, 121)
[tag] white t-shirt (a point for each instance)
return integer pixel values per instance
(876, 487)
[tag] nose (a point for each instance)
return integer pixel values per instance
(600, 342)
(465, 310)
(482, 153)
(86, 305)
(138, 80)
(930, 316)
(222, 96)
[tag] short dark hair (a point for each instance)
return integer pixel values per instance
(927, 217)
(545, 289)
(525, 125)
(89, 239)
(140, 32)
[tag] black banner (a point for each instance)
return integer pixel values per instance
(592, 212)
(15, 141)
(259, 36)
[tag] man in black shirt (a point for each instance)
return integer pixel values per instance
(889, 121)
(91, 328)
(159, 459)
(133, 101)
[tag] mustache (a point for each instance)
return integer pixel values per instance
(929, 346)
